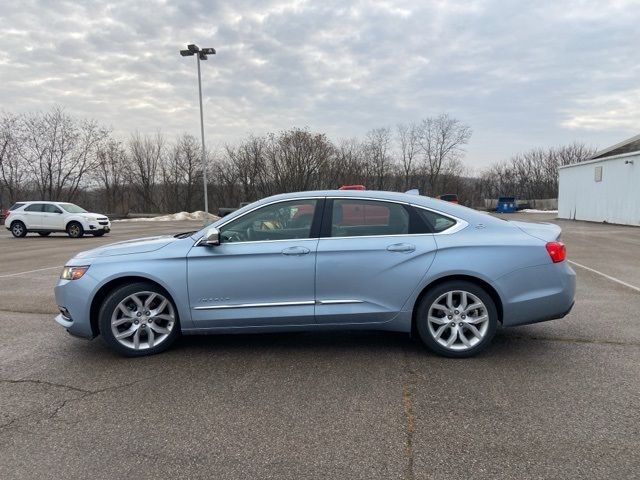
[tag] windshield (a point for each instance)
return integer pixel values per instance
(71, 208)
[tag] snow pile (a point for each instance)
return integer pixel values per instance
(533, 210)
(198, 215)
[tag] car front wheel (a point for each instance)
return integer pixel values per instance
(139, 319)
(75, 230)
(457, 319)
(18, 229)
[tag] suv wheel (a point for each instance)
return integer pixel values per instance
(75, 230)
(457, 319)
(18, 229)
(139, 319)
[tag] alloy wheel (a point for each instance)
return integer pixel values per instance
(143, 320)
(458, 320)
(17, 229)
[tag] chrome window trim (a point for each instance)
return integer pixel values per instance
(256, 305)
(459, 225)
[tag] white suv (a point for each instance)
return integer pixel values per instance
(46, 217)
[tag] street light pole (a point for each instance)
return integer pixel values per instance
(204, 155)
(201, 54)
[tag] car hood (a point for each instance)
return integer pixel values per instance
(544, 231)
(128, 247)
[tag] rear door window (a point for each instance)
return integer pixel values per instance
(35, 207)
(48, 208)
(362, 218)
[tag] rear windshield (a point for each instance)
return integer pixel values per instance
(16, 205)
(507, 199)
(71, 208)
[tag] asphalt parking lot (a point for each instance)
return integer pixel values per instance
(557, 399)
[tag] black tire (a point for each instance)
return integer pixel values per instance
(18, 229)
(450, 327)
(44, 234)
(109, 306)
(99, 234)
(75, 230)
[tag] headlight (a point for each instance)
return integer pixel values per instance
(73, 273)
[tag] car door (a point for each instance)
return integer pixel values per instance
(263, 271)
(52, 217)
(371, 256)
(33, 216)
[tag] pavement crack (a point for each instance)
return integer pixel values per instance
(58, 406)
(409, 429)
(46, 383)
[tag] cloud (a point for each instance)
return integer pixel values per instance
(521, 75)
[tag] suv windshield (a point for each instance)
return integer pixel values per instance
(71, 208)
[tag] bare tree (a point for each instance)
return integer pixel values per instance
(408, 136)
(59, 151)
(442, 142)
(146, 154)
(377, 145)
(12, 171)
(113, 176)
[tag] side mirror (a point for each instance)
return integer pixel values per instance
(212, 236)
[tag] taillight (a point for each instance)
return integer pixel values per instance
(557, 251)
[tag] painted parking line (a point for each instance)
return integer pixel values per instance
(30, 271)
(609, 277)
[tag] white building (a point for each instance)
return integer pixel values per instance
(605, 188)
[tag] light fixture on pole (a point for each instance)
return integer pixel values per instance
(201, 54)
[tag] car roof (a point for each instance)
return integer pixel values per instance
(470, 215)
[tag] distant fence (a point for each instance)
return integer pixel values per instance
(537, 203)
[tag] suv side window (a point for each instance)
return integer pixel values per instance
(15, 206)
(34, 207)
(360, 218)
(279, 221)
(48, 208)
(436, 222)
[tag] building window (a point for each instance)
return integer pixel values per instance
(598, 174)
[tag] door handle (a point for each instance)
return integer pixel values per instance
(295, 251)
(401, 247)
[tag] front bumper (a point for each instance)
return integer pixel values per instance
(95, 226)
(74, 297)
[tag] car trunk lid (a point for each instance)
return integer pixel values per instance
(547, 232)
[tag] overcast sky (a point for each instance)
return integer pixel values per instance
(521, 74)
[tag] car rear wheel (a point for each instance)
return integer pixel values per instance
(44, 234)
(457, 319)
(75, 230)
(18, 229)
(139, 319)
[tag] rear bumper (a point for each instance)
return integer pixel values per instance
(537, 294)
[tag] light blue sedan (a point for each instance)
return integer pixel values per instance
(355, 260)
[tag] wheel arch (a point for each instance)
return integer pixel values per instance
(73, 220)
(467, 278)
(110, 286)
